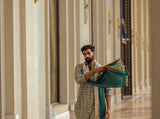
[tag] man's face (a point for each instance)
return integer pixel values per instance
(88, 55)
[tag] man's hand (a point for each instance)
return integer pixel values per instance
(97, 70)
(101, 69)
(108, 114)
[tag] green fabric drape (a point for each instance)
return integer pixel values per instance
(114, 77)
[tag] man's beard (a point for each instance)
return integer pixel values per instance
(89, 59)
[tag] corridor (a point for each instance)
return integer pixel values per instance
(137, 106)
(40, 46)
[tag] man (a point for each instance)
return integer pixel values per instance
(85, 107)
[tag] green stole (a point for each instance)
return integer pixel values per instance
(114, 77)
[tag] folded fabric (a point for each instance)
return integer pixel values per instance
(114, 77)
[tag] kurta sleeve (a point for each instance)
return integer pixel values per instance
(108, 91)
(79, 77)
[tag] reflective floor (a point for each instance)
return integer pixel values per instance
(137, 106)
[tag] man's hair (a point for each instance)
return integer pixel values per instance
(85, 47)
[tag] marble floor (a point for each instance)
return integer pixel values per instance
(137, 106)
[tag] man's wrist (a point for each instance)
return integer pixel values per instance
(94, 71)
(90, 73)
(108, 109)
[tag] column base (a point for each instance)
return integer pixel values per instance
(65, 115)
(118, 98)
(12, 116)
(137, 89)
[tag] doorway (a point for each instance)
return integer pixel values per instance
(126, 49)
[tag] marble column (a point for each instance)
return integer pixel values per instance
(133, 46)
(140, 44)
(2, 73)
(72, 57)
(136, 45)
(95, 27)
(117, 40)
(64, 52)
(146, 44)
(35, 59)
(47, 59)
(12, 71)
(24, 53)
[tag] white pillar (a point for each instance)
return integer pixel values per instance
(35, 59)
(2, 61)
(136, 46)
(64, 51)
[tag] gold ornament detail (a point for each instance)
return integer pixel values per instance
(35, 1)
(143, 43)
(119, 28)
(148, 45)
(86, 11)
(109, 21)
(132, 33)
(137, 38)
